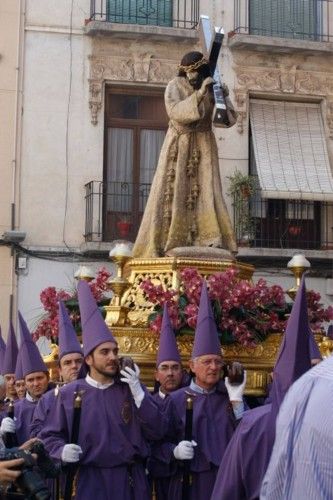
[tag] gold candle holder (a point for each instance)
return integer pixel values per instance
(116, 313)
(298, 265)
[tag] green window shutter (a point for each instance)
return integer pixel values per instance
(285, 18)
(144, 12)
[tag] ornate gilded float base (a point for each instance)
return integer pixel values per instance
(142, 345)
(165, 271)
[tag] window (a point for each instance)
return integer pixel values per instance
(147, 12)
(136, 122)
(285, 18)
(283, 223)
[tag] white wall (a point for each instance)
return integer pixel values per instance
(41, 274)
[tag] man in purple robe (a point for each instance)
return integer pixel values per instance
(117, 418)
(36, 379)
(246, 459)
(70, 362)
(217, 405)
(170, 376)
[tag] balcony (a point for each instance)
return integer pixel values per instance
(283, 224)
(157, 18)
(114, 210)
(283, 25)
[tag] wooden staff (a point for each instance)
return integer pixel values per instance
(10, 438)
(187, 478)
(74, 439)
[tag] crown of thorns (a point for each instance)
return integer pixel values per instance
(194, 66)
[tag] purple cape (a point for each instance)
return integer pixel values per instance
(113, 435)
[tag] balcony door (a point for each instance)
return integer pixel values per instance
(285, 18)
(136, 123)
(146, 12)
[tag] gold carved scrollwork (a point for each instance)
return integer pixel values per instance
(142, 345)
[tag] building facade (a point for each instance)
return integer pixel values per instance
(93, 122)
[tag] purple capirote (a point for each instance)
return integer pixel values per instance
(67, 337)
(206, 340)
(2, 351)
(94, 329)
(9, 362)
(31, 359)
(167, 349)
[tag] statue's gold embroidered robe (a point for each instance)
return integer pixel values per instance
(185, 206)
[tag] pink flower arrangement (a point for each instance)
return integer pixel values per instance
(50, 296)
(245, 312)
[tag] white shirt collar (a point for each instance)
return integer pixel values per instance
(196, 388)
(161, 394)
(96, 384)
(28, 397)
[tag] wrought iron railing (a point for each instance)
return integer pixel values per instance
(299, 19)
(275, 223)
(167, 13)
(114, 210)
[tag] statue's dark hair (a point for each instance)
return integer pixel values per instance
(191, 58)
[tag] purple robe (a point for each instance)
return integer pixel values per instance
(113, 435)
(241, 471)
(213, 426)
(23, 413)
(161, 463)
(42, 410)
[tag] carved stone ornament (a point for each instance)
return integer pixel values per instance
(286, 79)
(138, 67)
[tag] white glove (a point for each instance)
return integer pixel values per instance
(184, 450)
(71, 453)
(235, 391)
(7, 425)
(131, 378)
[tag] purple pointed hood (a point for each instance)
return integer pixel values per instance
(206, 340)
(24, 330)
(2, 351)
(9, 363)
(94, 329)
(18, 369)
(313, 347)
(68, 341)
(167, 349)
(31, 359)
(294, 355)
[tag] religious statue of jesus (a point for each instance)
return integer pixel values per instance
(185, 207)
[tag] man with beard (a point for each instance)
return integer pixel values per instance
(118, 416)
(170, 376)
(185, 207)
(70, 362)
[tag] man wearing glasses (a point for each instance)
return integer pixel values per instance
(217, 405)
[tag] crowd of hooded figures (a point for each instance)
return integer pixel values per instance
(194, 437)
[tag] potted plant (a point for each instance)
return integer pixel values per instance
(124, 225)
(241, 188)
